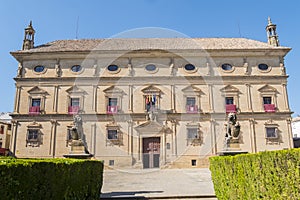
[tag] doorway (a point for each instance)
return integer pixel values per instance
(151, 152)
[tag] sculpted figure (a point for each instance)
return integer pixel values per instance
(232, 127)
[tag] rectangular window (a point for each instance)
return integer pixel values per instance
(191, 106)
(36, 102)
(32, 135)
(113, 101)
(229, 100)
(112, 105)
(194, 162)
(75, 102)
(112, 134)
(35, 106)
(190, 101)
(150, 102)
(74, 106)
(111, 162)
(267, 100)
(271, 132)
(2, 130)
(268, 106)
(192, 133)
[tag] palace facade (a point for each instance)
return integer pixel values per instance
(150, 102)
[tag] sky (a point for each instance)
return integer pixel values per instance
(71, 19)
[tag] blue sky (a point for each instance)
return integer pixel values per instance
(57, 19)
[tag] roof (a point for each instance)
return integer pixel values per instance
(130, 44)
(5, 117)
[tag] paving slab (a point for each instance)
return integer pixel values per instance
(158, 184)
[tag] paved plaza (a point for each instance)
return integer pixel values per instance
(158, 183)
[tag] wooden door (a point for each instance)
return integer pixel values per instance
(151, 152)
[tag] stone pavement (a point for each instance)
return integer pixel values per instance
(193, 183)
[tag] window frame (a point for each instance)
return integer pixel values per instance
(113, 71)
(118, 133)
(39, 72)
(224, 69)
(264, 70)
(76, 71)
(34, 142)
(151, 71)
(190, 70)
(195, 140)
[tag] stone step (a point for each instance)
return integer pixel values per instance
(201, 197)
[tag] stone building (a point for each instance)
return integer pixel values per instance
(151, 102)
(5, 133)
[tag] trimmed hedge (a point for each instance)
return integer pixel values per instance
(265, 175)
(50, 179)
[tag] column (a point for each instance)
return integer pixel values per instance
(285, 96)
(55, 98)
(252, 135)
(290, 138)
(94, 103)
(93, 139)
(140, 143)
(173, 98)
(53, 138)
(163, 149)
(213, 137)
(130, 100)
(17, 99)
(174, 137)
(13, 144)
(210, 98)
(249, 100)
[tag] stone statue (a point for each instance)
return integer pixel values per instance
(172, 67)
(247, 69)
(76, 134)
(96, 70)
(20, 71)
(58, 70)
(232, 128)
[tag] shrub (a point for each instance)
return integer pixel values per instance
(50, 179)
(265, 175)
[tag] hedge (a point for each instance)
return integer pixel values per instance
(265, 175)
(50, 179)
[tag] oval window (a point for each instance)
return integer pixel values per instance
(76, 68)
(189, 67)
(227, 67)
(113, 68)
(39, 68)
(263, 66)
(151, 68)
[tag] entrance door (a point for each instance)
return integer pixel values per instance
(151, 152)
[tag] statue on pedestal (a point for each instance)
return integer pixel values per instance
(232, 128)
(76, 137)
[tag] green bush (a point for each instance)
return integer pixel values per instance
(50, 179)
(265, 175)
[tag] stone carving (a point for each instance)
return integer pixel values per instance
(76, 129)
(130, 69)
(58, 70)
(172, 68)
(20, 71)
(232, 128)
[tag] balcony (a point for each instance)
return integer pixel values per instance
(269, 108)
(191, 109)
(112, 109)
(73, 110)
(34, 110)
(230, 108)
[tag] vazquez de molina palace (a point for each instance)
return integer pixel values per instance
(150, 102)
